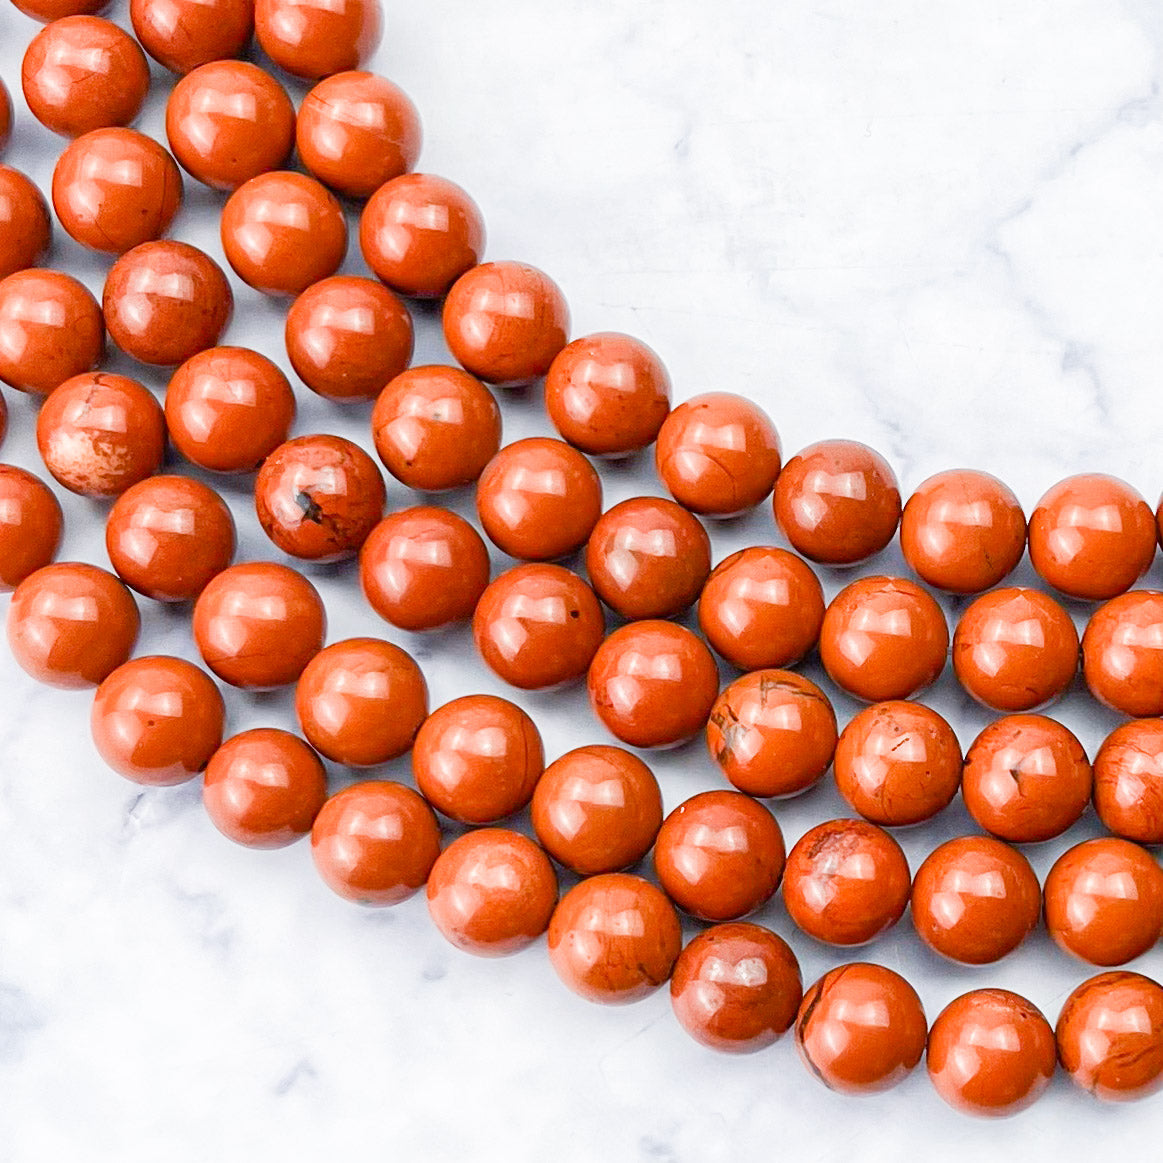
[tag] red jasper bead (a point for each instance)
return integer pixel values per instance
(183, 34)
(30, 525)
(1128, 781)
(1122, 653)
(25, 225)
(315, 38)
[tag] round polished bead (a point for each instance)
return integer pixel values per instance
(49, 10)
(167, 536)
(1015, 649)
(491, 892)
(375, 842)
(25, 225)
(648, 558)
(963, 531)
(718, 454)
(1092, 536)
(883, 638)
(477, 759)
(761, 608)
(846, 882)
(719, 855)
(537, 626)
(30, 525)
(614, 939)
(420, 233)
(653, 684)
(975, 900)
(505, 322)
(157, 720)
(283, 231)
(98, 434)
(861, 1029)
(423, 568)
(1128, 781)
(229, 121)
(114, 189)
(315, 38)
(736, 987)
(5, 117)
(991, 1053)
(70, 625)
(607, 394)
(51, 329)
(1026, 779)
(898, 763)
(837, 502)
(597, 809)
(258, 625)
(318, 497)
(1122, 653)
(228, 409)
(183, 34)
(772, 732)
(361, 701)
(264, 788)
(436, 428)
(538, 499)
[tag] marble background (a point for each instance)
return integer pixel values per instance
(934, 227)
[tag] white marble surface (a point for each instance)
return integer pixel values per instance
(931, 226)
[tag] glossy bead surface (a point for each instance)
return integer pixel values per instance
(861, 1029)
(25, 226)
(70, 625)
(318, 497)
(229, 121)
(846, 882)
(614, 938)
(183, 34)
(374, 842)
(991, 1053)
(1122, 653)
(419, 233)
(1026, 779)
(264, 788)
(975, 900)
(1110, 1036)
(898, 763)
(315, 38)
(356, 131)
(477, 759)
(719, 855)
(423, 568)
(167, 536)
(491, 892)
(360, 702)
(258, 625)
(772, 732)
(100, 433)
(538, 625)
(1104, 901)
(436, 427)
(347, 337)
(1015, 649)
(648, 558)
(505, 322)
(228, 409)
(30, 525)
(5, 117)
(51, 329)
(883, 638)
(1128, 781)
(114, 189)
(963, 531)
(538, 499)
(48, 10)
(597, 809)
(1092, 536)
(653, 684)
(165, 302)
(736, 988)
(718, 454)
(83, 73)
(838, 502)
(607, 394)
(157, 720)
(762, 608)
(283, 231)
